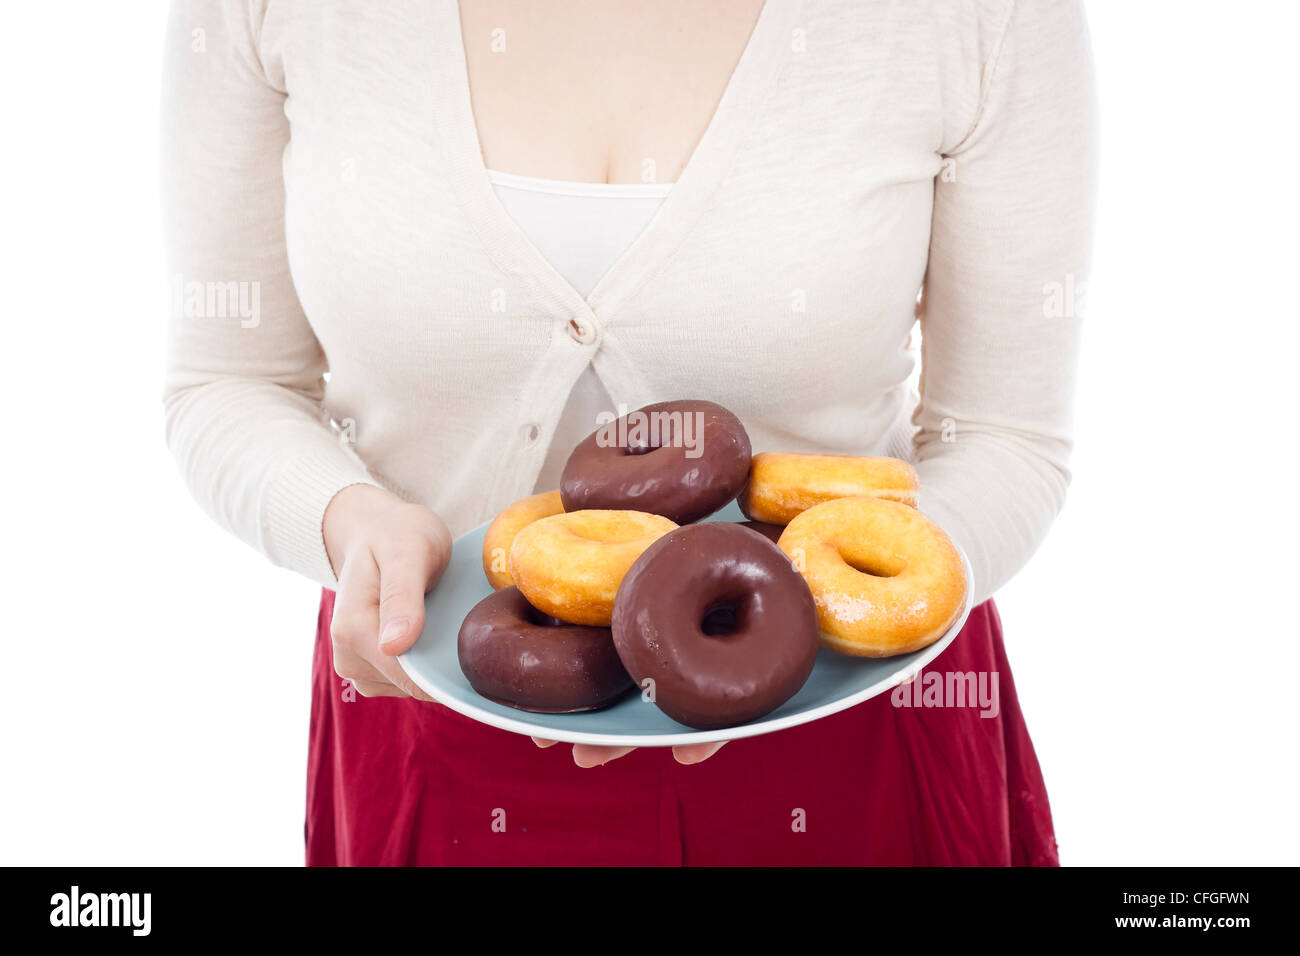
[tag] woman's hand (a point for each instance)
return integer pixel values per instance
(386, 554)
(589, 755)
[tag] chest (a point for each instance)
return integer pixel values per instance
(794, 235)
(617, 91)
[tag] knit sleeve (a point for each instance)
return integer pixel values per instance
(244, 375)
(1003, 295)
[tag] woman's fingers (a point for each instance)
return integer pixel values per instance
(350, 665)
(588, 755)
(696, 753)
(355, 628)
(355, 620)
(394, 674)
(384, 672)
(369, 688)
(405, 574)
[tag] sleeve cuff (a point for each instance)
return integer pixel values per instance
(296, 499)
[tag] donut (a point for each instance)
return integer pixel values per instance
(782, 485)
(885, 578)
(682, 460)
(501, 533)
(770, 531)
(715, 615)
(569, 565)
(513, 654)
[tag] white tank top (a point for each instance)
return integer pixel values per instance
(581, 229)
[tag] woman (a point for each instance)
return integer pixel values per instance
(489, 221)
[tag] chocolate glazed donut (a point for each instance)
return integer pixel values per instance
(515, 655)
(770, 531)
(722, 623)
(683, 460)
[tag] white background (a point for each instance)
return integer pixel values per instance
(157, 671)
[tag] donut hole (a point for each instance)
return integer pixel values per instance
(722, 618)
(875, 565)
(640, 449)
(613, 527)
(534, 616)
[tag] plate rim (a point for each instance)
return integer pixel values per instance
(687, 736)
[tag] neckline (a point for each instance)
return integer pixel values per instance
(761, 61)
(564, 187)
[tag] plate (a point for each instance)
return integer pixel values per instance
(837, 682)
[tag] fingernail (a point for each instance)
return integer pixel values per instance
(393, 630)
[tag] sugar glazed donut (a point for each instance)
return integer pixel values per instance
(885, 578)
(683, 460)
(783, 485)
(515, 655)
(501, 533)
(569, 566)
(715, 615)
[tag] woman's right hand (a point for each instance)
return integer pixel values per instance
(387, 554)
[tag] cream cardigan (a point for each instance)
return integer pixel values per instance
(353, 304)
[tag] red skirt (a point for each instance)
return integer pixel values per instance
(913, 777)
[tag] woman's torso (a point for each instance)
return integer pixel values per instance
(779, 277)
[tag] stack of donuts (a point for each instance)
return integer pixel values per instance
(611, 582)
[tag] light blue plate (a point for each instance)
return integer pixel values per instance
(837, 681)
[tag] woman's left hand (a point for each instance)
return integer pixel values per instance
(589, 755)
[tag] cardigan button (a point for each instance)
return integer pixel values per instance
(532, 432)
(582, 331)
